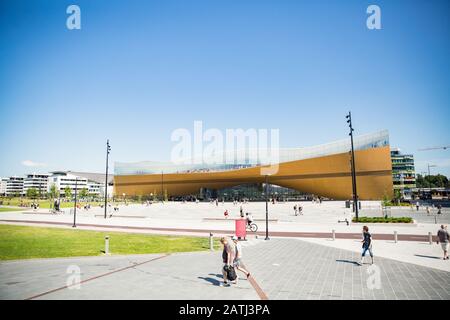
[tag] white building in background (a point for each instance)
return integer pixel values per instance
(93, 182)
(36, 181)
(64, 179)
(3, 183)
(14, 186)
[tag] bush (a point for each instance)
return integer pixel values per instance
(383, 220)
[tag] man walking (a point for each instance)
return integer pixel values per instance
(228, 256)
(443, 239)
(237, 263)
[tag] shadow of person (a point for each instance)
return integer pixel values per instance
(424, 256)
(213, 281)
(348, 261)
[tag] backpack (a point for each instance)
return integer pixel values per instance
(231, 273)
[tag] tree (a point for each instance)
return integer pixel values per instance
(84, 193)
(67, 192)
(432, 181)
(32, 193)
(53, 193)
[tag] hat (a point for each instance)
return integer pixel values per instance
(234, 238)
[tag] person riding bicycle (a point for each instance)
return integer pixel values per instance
(249, 218)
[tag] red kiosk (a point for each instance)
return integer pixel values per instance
(241, 228)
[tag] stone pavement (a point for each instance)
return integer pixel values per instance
(295, 269)
(177, 276)
(283, 269)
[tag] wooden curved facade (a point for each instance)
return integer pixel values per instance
(327, 176)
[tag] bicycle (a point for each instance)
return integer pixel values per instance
(253, 227)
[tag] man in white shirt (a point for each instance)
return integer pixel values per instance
(237, 263)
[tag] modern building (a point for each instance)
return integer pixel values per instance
(403, 172)
(37, 181)
(64, 179)
(14, 186)
(96, 182)
(3, 183)
(93, 182)
(323, 170)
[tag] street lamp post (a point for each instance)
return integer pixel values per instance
(108, 149)
(162, 186)
(355, 195)
(75, 204)
(267, 207)
(429, 175)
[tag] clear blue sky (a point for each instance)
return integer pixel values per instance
(137, 70)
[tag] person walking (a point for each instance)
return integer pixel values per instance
(249, 218)
(366, 244)
(295, 209)
(443, 239)
(417, 205)
(237, 263)
(228, 256)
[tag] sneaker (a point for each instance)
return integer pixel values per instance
(248, 275)
(224, 284)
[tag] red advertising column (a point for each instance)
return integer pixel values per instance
(241, 231)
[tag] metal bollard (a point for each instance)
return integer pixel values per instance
(334, 234)
(211, 242)
(106, 244)
(430, 238)
(395, 237)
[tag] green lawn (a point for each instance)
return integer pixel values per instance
(43, 204)
(21, 242)
(3, 209)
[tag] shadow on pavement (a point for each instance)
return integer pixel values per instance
(431, 257)
(348, 261)
(213, 281)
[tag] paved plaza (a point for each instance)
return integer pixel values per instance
(281, 269)
(304, 264)
(203, 216)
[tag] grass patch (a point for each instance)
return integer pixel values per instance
(3, 209)
(22, 242)
(43, 204)
(383, 220)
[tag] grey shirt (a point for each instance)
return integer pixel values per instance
(443, 236)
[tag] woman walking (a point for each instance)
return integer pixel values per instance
(366, 244)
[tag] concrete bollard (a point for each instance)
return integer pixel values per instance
(211, 242)
(106, 244)
(334, 234)
(395, 237)
(430, 238)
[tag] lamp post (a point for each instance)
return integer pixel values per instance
(75, 204)
(162, 186)
(108, 149)
(429, 175)
(355, 195)
(267, 207)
